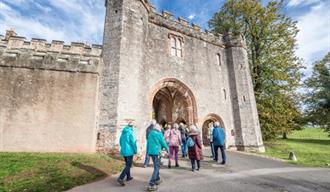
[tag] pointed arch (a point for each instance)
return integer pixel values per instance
(183, 89)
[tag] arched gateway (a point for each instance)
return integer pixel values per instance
(210, 118)
(173, 102)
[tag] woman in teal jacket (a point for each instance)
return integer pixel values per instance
(155, 144)
(128, 149)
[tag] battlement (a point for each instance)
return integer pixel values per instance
(12, 41)
(15, 51)
(181, 25)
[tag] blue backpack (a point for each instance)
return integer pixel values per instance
(190, 142)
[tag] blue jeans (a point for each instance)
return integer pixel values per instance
(127, 170)
(212, 149)
(223, 154)
(146, 160)
(184, 148)
(155, 175)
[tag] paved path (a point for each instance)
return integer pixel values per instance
(243, 173)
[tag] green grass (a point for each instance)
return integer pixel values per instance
(34, 172)
(311, 146)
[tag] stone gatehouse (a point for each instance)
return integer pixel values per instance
(76, 98)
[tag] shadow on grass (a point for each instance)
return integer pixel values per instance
(310, 141)
(99, 173)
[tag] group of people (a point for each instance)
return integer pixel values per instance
(169, 140)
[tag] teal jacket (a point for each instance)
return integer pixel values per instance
(156, 143)
(127, 142)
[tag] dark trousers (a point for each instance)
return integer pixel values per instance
(193, 162)
(155, 175)
(127, 170)
(223, 154)
(212, 149)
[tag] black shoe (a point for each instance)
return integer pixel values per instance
(129, 179)
(121, 182)
(169, 166)
(177, 165)
(193, 170)
(197, 169)
(223, 163)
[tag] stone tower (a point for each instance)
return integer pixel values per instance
(246, 121)
(123, 43)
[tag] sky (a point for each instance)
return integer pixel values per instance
(83, 20)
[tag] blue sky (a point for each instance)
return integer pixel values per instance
(83, 20)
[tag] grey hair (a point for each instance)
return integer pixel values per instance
(175, 126)
(217, 124)
(157, 127)
(153, 122)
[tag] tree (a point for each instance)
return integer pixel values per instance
(271, 41)
(318, 95)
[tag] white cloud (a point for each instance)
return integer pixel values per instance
(191, 16)
(314, 35)
(4, 7)
(294, 3)
(67, 20)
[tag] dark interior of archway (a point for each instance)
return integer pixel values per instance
(170, 106)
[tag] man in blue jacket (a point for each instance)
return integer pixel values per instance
(128, 149)
(219, 142)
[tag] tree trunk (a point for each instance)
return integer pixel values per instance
(285, 135)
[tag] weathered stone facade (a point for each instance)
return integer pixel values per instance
(78, 97)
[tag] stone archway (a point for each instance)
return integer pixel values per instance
(210, 118)
(173, 101)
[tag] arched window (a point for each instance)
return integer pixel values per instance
(179, 48)
(176, 45)
(173, 46)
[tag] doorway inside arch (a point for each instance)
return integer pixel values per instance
(210, 118)
(173, 102)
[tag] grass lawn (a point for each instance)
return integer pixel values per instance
(34, 172)
(311, 146)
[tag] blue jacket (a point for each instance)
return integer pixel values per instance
(127, 142)
(156, 143)
(218, 136)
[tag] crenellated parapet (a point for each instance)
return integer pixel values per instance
(15, 51)
(181, 25)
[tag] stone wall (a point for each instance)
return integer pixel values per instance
(48, 95)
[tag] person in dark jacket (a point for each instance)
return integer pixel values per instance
(149, 128)
(219, 142)
(195, 153)
(128, 149)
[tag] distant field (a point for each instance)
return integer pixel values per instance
(34, 172)
(311, 146)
